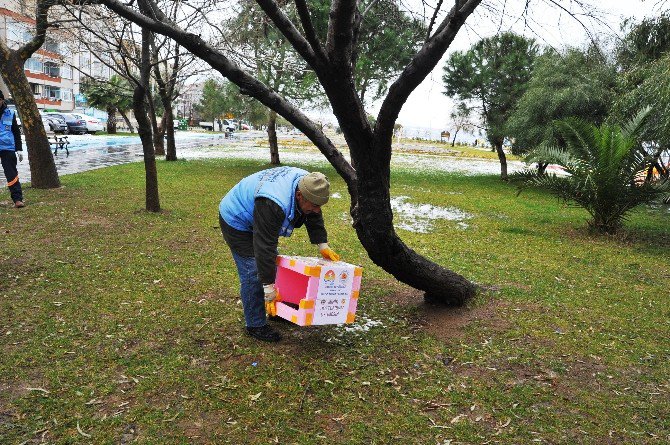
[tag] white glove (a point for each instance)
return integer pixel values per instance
(20, 156)
(269, 292)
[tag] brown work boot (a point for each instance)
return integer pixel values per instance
(19, 204)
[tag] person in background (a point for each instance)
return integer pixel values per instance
(253, 215)
(10, 145)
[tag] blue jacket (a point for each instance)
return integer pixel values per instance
(278, 184)
(8, 131)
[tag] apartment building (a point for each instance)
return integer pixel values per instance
(189, 96)
(56, 70)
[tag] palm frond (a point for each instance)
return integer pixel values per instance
(604, 165)
(634, 127)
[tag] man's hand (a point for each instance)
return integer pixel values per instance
(270, 292)
(328, 253)
(20, 156)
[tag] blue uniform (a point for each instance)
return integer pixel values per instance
(10, 143)
(278, 184)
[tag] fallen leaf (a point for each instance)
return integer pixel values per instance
(457, 418)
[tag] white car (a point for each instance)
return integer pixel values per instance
(92, 124)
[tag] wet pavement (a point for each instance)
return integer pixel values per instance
(89, 152)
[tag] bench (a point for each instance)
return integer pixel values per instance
(229, 134)
(59, 142)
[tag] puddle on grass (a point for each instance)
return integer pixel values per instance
(420, 218)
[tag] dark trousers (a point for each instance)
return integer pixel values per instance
(9, 166)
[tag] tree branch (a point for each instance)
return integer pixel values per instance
(341, 34)
(288, 29)
(41, 26)
(421, 64)
(247, 84)
(433, 18)
(308, 28)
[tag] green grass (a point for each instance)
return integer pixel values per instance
(131, 322)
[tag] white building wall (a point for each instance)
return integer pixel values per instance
(54, 70)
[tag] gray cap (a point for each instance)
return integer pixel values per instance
(315, 188)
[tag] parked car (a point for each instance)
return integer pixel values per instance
(229, 125)
(53, 123)
(206, 125)
(45, 122)
(92, 124)
(74, 125)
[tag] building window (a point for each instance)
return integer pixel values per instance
(34, 65)
(52, 93)
(85, 61)
(66, 71)
(36, 88)
(18, 33)
(66, 94)
(52, 69)
(51, 45)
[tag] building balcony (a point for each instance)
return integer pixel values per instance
(42, 76)
(48, 101)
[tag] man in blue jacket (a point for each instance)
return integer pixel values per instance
(253, 215)
(10, 143)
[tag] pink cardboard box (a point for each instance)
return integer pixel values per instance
(314, 291)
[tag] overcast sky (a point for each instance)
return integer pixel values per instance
(428, 107)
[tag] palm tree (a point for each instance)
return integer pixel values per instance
(606, 169)
(114, 94)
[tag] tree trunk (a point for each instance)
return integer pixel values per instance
(159, 145)
(453, 141)
(42, 166)
(498, 146)
(111, 119)
(144, 129)
(127, 121)
(272, 138)
(168, 126)
(373, 221)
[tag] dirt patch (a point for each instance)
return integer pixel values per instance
(202, 427)
(13, 390)
(448, 323)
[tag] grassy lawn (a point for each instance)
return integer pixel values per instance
(119, 326)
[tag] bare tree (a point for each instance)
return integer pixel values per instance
(140, 99)
(368, 176)
(118, 46)
(171, 67)
(42, 166)
(126, 50)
